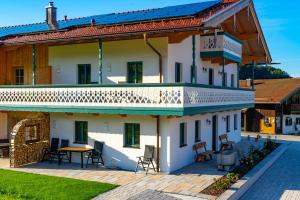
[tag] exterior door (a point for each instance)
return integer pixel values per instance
(214, 132)
(211, 77)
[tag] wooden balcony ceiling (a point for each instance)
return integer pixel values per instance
(245, 26)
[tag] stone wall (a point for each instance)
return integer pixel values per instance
(24, 151)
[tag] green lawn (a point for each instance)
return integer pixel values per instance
(21, 186)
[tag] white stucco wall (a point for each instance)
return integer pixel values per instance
(293, 128)
(116, 55)
(182, 53)
(110, 129)
(184, 156)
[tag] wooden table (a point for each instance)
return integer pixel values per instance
(75, 150)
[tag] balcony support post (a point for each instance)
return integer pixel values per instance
(33, 64)
(238, 75)
(253, 73)
(100, 60)
(193, 70)
(223, 72)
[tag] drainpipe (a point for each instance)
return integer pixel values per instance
(157, 143)
(100, 60)
(159, 56)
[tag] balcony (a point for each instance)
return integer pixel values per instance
(222, 45)
(147, 99)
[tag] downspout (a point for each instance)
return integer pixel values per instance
(157, 117)
(157, 143)
(159, 56)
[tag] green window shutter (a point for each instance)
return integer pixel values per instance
(135, 72)
(197, 131)
(228, 123)
(178, 71)
(235, 121)
(193, 74)
(132, 135)
(81, 132)
(182, 135)
(84, 74)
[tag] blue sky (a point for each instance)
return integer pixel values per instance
(280, 21)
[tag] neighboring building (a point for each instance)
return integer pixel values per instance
(165, 77)
(277, 107)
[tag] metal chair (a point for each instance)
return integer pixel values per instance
(53, 150)
(147, 159)
(63, 155)
(96, 154)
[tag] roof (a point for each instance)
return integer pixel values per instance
(274, 91)
(115, 18)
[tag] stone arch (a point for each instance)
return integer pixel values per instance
(28, 140)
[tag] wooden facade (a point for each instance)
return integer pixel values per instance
(12, 58)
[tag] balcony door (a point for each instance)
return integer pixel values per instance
(135, 72)
(84, 74)
(214, 132)
(18, 75)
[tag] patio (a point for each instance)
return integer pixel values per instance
(188, 181)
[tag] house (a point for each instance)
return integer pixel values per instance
(166, 77)
(277, 107)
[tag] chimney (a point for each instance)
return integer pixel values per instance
(51, 16)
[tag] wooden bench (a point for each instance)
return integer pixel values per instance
(201, 152)
(225, 143)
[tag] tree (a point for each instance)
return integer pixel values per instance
(262, 72)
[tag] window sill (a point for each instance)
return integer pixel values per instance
(132, 147)
(83, 143)
(184, 145)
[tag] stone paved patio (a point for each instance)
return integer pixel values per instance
(189, 181)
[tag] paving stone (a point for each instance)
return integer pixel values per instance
(152, 195)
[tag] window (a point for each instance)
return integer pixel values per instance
(182, 135)
(19, 76)
(193, 74)
(235, 122)
(297, 121)
(288, 121)
(81, 132)
(132, 135)
(232, 80)
(84, 74)
(228, 123)
(135, 72)
(225, 79)
(178, 72)
(31, 134)
(211, 77)
(197, 131)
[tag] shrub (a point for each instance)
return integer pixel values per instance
(222, 183)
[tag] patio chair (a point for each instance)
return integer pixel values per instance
(96, 154)
(63, 155)
(147, 159)
(53, 150)
(225, 143)
(202, 154)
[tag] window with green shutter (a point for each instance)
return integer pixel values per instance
(135, 72)
(197, 131)
(228, 123)
(84, 74)
(132, 135)
(182, 135)
(178, 72)
(81, 132)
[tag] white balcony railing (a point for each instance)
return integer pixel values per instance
(222, 42)
(123, 96)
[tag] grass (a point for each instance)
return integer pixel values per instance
(21, 186)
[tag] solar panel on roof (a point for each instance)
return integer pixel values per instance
(152, 14)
